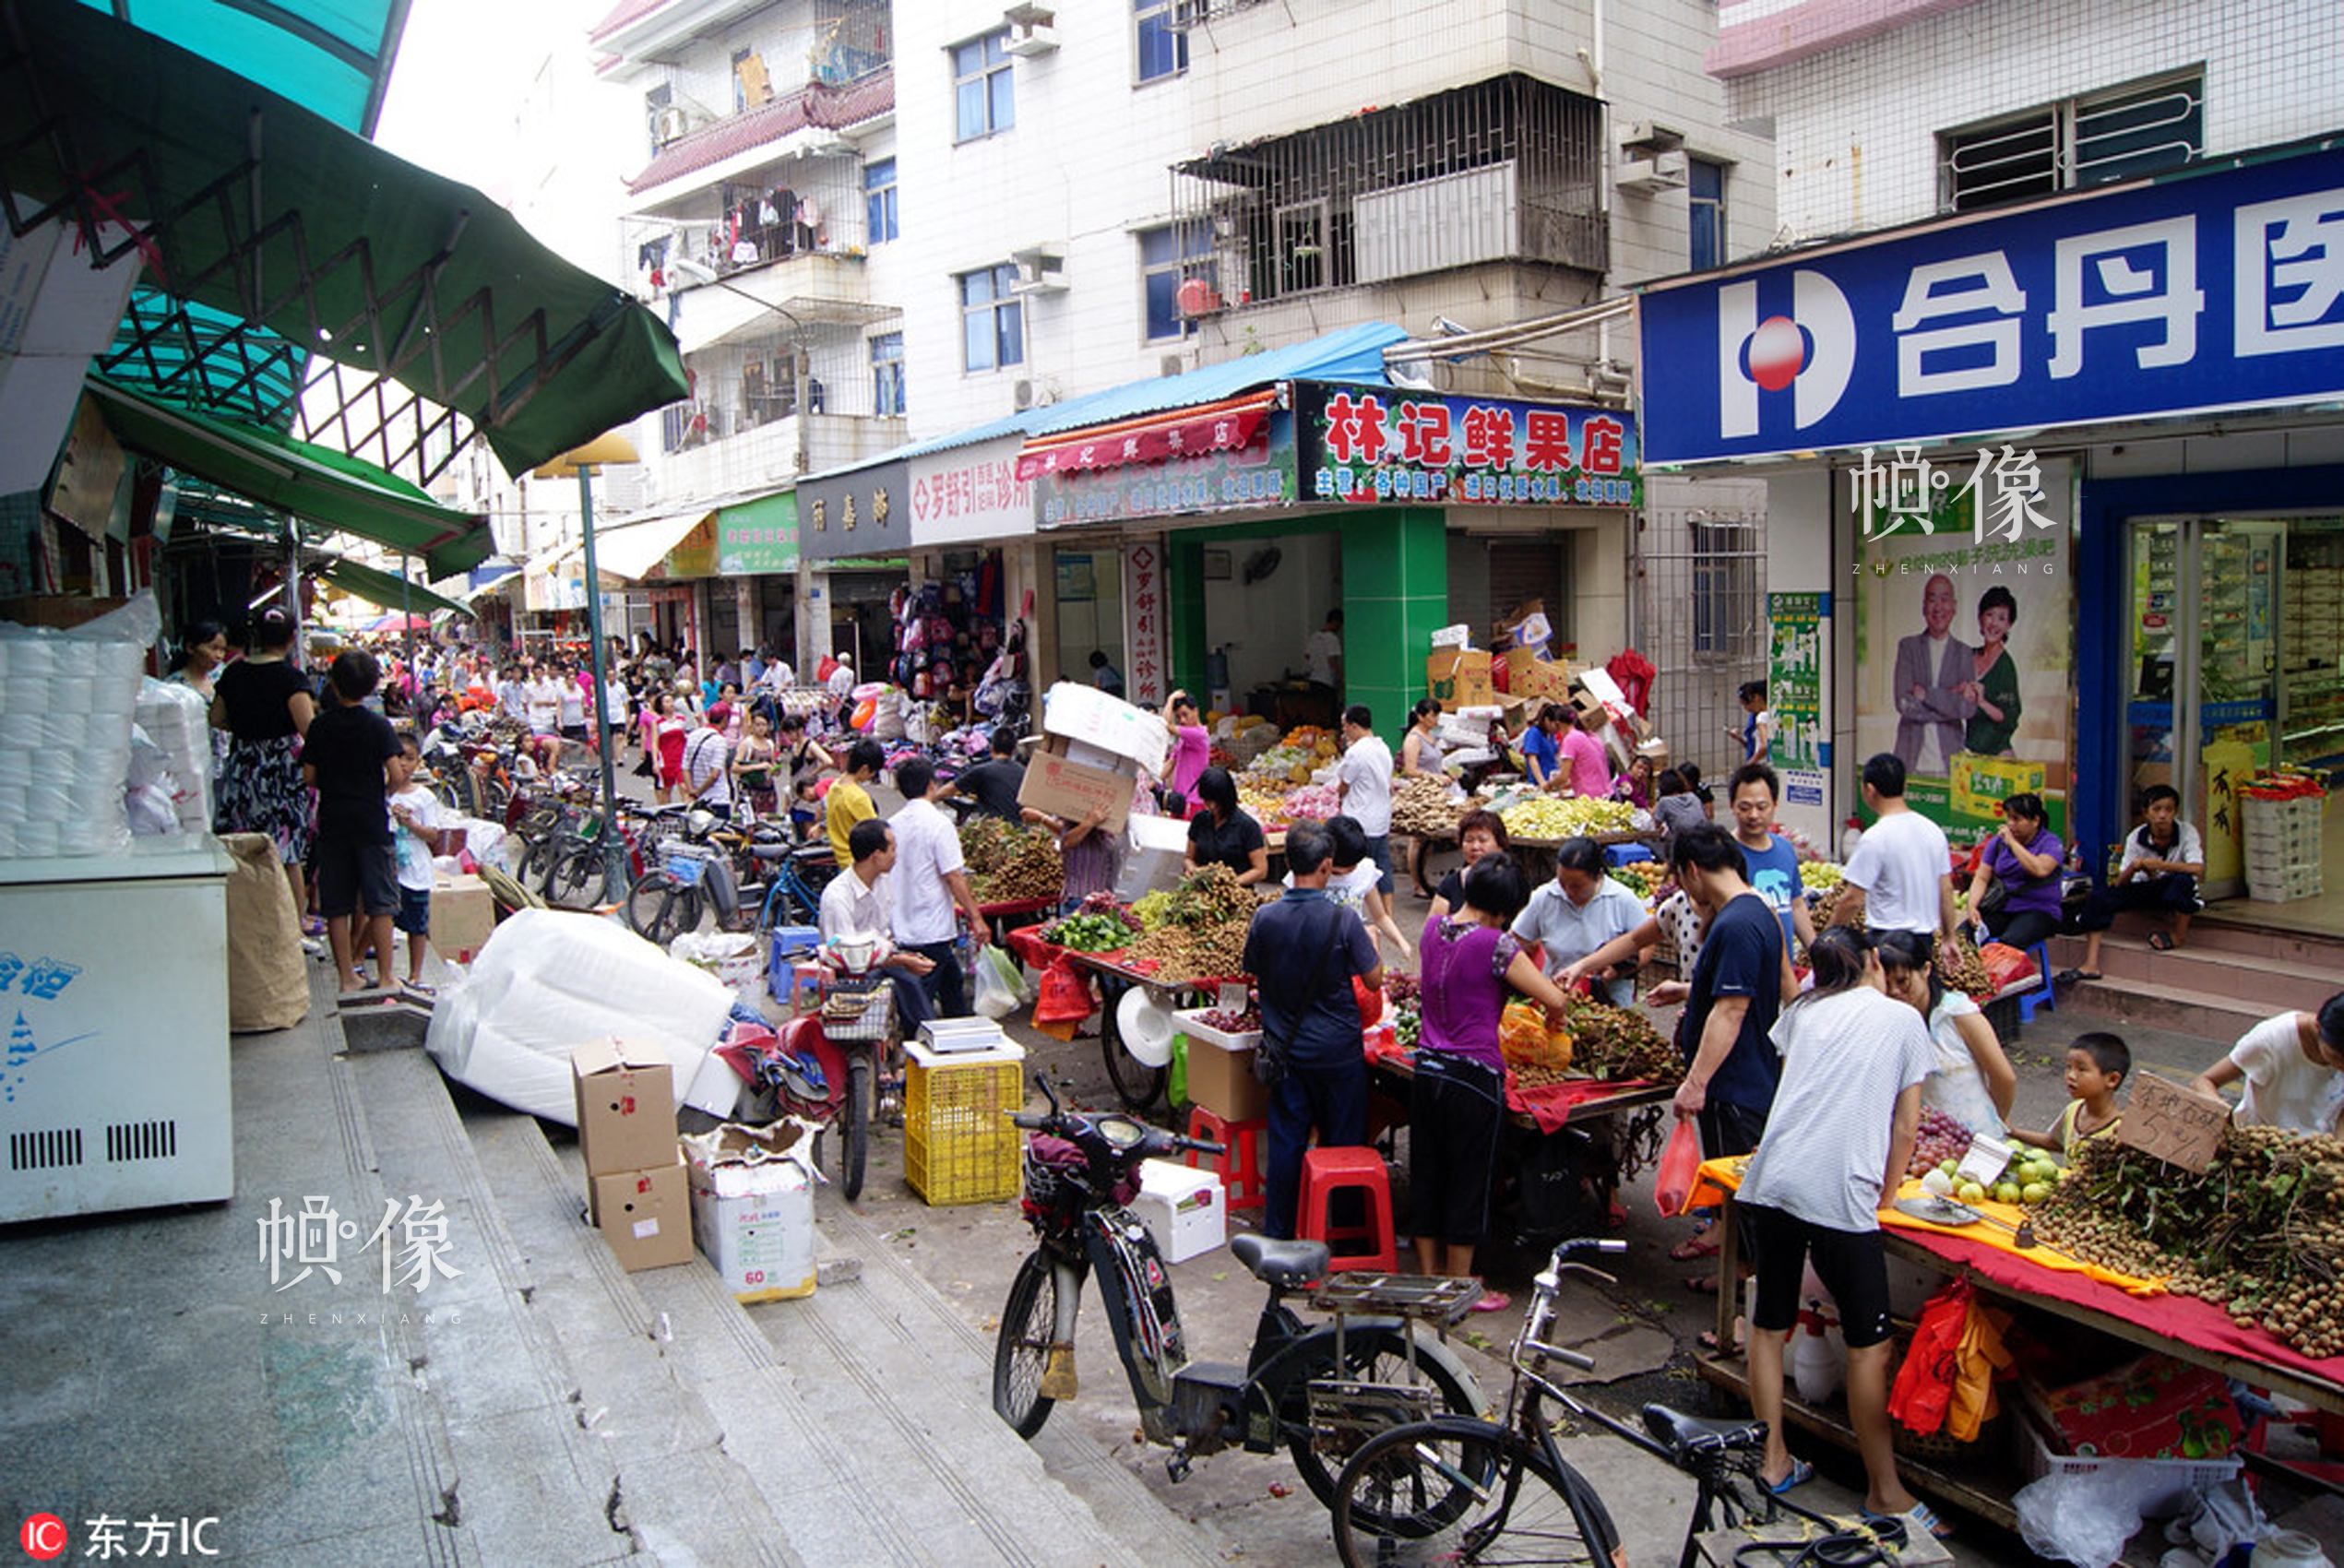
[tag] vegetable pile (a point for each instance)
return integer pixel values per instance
(1552, 816)
(1820, 876)
(1422, 806)
(1009, 863)
(2261, 1232)
(1097, 927)
(1618, 1042)
(1642, 878)
(1202, 932)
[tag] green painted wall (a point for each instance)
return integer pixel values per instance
(1395, 563)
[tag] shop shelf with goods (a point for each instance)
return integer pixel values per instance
(958, 1144)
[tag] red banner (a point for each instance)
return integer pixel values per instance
(1186, 433)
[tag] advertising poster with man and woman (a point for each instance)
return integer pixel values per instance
(1965, 631)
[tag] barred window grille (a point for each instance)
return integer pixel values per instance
(2136, 129)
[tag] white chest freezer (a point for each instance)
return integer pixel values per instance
(114, 1030)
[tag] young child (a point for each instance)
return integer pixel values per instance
(419, 830)
(2097, 1065)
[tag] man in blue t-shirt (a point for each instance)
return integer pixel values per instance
(1303, 952)
(1772, 860)
(1735, 995)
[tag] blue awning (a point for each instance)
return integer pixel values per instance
(333, 58)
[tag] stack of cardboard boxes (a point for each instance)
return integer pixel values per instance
(1094, 753)
(636, 1195)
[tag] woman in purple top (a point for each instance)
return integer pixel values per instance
(1192, 748)
(2025, 856)
(1458, 1102)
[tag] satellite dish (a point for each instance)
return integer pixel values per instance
(1261, 564)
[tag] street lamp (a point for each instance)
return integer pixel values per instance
(582, 461)
(692, 272)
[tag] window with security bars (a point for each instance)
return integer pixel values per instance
(2136, 129)
(1726, 618)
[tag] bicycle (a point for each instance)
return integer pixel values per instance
(1462, 1489)
(696, 869)
(1317, 1391)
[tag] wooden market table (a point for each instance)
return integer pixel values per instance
(2192, 1331)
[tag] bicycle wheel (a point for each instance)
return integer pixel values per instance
(1456, 1491)
(580, 877)
(854, 1126)
(535, 868)
(1021, 1350)
(661, 908)
(1369, 1356)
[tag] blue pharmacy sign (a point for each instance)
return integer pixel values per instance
(2220, 290)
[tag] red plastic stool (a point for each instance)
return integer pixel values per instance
(1243, 1176)
(1327, 1171)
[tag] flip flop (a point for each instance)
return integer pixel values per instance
(1801, 1474)
(2075, 976)
(1693, 1248)
(2161, 941)
(1707, 1340)
(1705, 1285)
(1493, 1301)
(1919, 1515)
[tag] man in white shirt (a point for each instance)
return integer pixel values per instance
(1363, 788)
(1324, 653)
(860, 902)
(707, 778)
(1900, 878)
(928, 883)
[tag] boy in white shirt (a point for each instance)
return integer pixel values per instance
(420, 829)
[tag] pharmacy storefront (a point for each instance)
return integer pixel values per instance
(2057, 500)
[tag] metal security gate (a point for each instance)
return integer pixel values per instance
(1701, 619)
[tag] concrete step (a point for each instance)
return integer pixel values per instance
(2211, 1015)
(519, 1477)
(2269, 982)
(862, 1415)
(2223, 933)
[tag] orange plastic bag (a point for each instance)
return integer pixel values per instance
(1680, 1168)
(1923, 1390)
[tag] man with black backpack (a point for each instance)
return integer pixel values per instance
(1304, 951)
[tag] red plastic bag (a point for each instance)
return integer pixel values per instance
(824, 670)
(1371, 1003)
(1065, 995)
(1924, 1386)
(2006, 965)
(1680, 1168)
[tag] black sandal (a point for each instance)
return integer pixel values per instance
(2161, 941)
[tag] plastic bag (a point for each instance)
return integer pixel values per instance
(2006, 965)
(1371, 1003)
(1680, 1168)
(1000, 988)
(1924, 1386)
(1065, 996)
(2084, 1517)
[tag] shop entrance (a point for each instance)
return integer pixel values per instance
(2237, 665)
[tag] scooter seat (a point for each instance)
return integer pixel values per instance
(1287, 1266)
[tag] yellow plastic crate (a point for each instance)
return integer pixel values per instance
(959, 1145)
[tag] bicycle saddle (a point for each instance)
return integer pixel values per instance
(769, 852)
(1699, 1434)
(810, 853)
(1285, 1265)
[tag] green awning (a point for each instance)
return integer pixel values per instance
(314, 484)
(248, 203)
(382, 588)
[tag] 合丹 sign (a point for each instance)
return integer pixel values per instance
(2189, 294)
(1371, 444)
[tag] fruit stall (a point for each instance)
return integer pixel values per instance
(2124, 1268)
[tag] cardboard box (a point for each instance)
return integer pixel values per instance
(2172, 1122)
(1088, 714)
(463, 917)
(1223, 1081)
(1459, 678)
(625, 1097)
(753, 1209)
(1183, 1210)
(645, 1216)
(1154, 851)
(2144, 1410)
(1059, 785)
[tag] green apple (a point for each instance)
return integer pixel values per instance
(1970, 1192)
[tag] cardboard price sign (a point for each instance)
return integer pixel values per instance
(2173, 1123)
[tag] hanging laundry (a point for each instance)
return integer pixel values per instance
(767, 214)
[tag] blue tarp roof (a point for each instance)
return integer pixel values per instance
(332, 58)
(1356, 353)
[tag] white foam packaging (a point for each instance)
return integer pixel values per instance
(1086, 714)
(177, 717)
(546, 979)
(72, 691)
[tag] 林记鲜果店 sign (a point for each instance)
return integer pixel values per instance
(1370, 444)
(2193, 292)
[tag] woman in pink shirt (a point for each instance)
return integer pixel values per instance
(1192, 748)
(1584, 763)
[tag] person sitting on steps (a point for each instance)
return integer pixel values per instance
(2163, 860)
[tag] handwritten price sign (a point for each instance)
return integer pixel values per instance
(2178, 1126)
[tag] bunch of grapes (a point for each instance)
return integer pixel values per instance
(1230, 1023)
(1942, 1138)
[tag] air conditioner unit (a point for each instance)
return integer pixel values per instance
(670, 123)
(1187, 14)
(1033, 30)
(1650, 175)
(1172, 365)
(1041, 269)
(1021, 395)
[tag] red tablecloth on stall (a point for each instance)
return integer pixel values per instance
(1550, 1105)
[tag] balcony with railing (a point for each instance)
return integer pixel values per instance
(1508, 170)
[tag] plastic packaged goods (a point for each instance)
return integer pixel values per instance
(67, 701)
